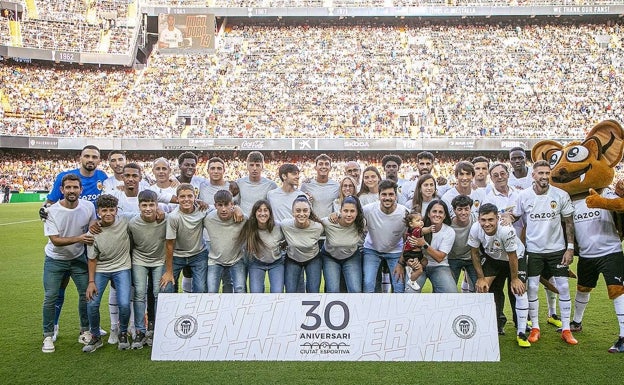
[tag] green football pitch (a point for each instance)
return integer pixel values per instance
(550, 361)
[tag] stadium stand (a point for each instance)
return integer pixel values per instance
(340, 78)
(36, 170)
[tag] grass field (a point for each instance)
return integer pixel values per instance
(21, 360)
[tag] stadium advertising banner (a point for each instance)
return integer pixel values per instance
(186, 32)
(326, 327)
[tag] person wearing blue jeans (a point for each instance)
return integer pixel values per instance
(384, 221)
(224, 254)
(148, 260)
(262, 240)
(258, 271)
(185, 245)
(436, 246)
(459, 258)
(341, 252)
(66, 229)
(302, 233)
(109, 260)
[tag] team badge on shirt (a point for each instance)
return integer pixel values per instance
(100, 185)
(553, 205)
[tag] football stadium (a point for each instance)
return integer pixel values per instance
(270, 154)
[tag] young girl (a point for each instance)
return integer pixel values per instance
(411, 254)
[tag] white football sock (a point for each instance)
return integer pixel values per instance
(551, 298)
(580, 303)
(533, 286)
(618, 303)
(522, 311)
(565, 305)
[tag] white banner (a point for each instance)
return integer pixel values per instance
(326, 327)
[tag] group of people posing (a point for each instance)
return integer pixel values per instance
(497, 224)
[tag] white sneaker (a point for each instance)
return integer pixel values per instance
(103, 332)
(113, 338)
(149, 338)
(56, 330)
(84, 337)
(48, 345)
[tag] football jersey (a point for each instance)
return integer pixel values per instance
(542, 215)
(591, 225)
(498, 245)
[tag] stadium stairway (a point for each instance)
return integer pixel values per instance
(105, 41)
(15, 30)
(31, 9)
(4, 102)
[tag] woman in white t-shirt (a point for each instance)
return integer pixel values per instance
(435, 246)
(262, 240)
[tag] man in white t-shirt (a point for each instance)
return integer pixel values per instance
(67, 230)
(464, 173)
(254, 186)
(282, 198)
(384, 240)
(321, 190)
(543, 207)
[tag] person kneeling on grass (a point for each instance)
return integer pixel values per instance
(497, 251)
(109, 260)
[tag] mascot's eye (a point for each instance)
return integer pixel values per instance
(554, 159)
(577, 154)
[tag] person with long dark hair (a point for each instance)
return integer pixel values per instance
(435, 246)
(302, 233)
(369, 191)
(341, 252)
(261, 239)
(426, 190)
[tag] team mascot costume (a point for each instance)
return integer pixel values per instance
(585, 170)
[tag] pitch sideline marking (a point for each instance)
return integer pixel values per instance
(16, 223)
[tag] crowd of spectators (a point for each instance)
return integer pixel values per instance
(74, 26)
(356, 79)
(370, 3)
(36, 170)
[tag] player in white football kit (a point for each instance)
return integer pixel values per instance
(604, 257)
(497, 251)
(171, 37)
(542, 207)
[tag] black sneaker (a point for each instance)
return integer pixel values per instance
(139, 340)
(576, 326)
(93, 345)
(618, 346)
(123, 341)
